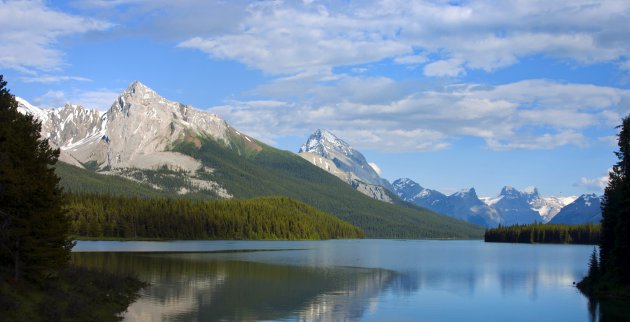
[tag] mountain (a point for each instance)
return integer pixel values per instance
(549, 207)
(527, 206)
(464, 205)
(146, 144)
(515, 207)
(585, 209)
(508, 208)
(334, 155)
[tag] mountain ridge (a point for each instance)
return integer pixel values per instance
(181, 151)
(510, 207)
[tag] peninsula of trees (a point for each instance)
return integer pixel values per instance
(545, 233)
(609, 273)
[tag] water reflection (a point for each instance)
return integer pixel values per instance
(202, 287)
(367, 280)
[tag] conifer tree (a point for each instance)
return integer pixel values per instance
(33, 227)
(615, 239)
(593, 266)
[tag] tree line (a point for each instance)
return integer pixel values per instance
(545, 233)
(98, 216)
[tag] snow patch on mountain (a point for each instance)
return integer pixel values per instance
(137, 132)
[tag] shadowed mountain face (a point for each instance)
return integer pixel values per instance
(463, 205)
(146, 144)
(585, 209)
(515, 207)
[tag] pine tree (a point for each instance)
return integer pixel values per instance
(34, 240)
(615, 238)
(593, 266)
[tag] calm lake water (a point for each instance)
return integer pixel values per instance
(348, 280)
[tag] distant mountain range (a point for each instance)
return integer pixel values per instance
(147, 145)
(170, 148)
(510, 207)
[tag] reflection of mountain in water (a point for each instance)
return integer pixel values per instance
(204, 287)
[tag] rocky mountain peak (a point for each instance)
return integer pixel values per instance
(467, 194)
(406, 183)
(327, 151)
(322, 142)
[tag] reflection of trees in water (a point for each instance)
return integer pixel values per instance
(202, 287)
(608, 310)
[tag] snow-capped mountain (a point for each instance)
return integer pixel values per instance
(137, 132)
(510, 207)
(549, 207)
(527, 206)
(66, 127)
(464, 205)
(585, 209)
(515, 207)
(334, 155)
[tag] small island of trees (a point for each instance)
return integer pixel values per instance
(545, 233)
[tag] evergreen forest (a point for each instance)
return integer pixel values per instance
(545, 233)
(99, 216)
(609, 273)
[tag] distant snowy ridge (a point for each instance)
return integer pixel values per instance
(510, 207)
(463, 205)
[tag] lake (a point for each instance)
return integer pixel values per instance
(348, 280)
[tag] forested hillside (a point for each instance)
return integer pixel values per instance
(269, 171)
(99, 216)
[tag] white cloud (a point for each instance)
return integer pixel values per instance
(51, 99)
(594, 184)
(375, 167)
(379, 113)
(53, 79)
(284, 38)
(29, 32)
(449, 68)
(98, 99)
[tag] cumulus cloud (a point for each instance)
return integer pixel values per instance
(380, 113)
(594, 184)
(30, 31)
(98, 99)
(284, 38)
(375, 167)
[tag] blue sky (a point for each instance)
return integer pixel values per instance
(452, 94)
